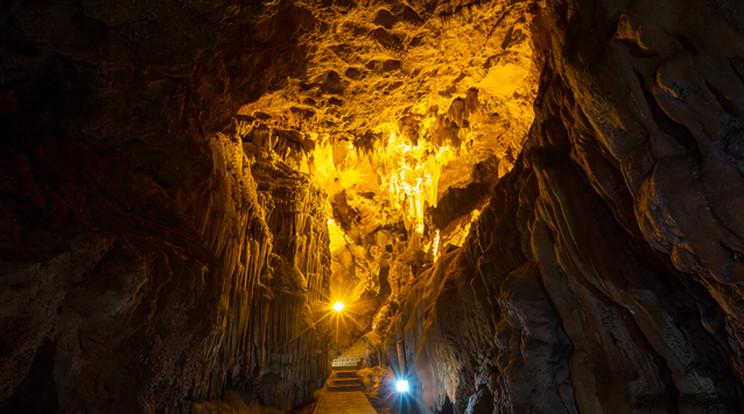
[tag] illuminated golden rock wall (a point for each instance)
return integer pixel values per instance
(406, 114)
(605, 273)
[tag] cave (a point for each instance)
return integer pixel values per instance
(420, 206)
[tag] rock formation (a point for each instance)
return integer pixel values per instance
(147, 261)
(535, 203)
(603, 274)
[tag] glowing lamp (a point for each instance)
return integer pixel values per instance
(338, 306)
(402, 386)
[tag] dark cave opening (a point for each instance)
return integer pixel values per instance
(37, 392)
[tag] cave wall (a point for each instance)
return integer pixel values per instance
(140, 269)
(605, 273)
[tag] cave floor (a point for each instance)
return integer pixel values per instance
(346, 402)
(343, 392)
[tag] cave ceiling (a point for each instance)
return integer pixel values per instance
(398, 106)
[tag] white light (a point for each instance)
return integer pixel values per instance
(402, 386)
(338, 306)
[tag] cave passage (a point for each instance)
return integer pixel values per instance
(325, 206)
(400, 156)
(404, 146)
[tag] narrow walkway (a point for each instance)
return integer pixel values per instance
(343, 391)
(344, 402)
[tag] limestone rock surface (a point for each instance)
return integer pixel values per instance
(141, 270)
(537, 204)
(603, 274)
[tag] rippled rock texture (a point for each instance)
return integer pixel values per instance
(605, 273)
(165, 195)
(147, 260)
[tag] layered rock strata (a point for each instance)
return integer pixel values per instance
(141, 269)
(603, 276)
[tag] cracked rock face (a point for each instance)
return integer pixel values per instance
(535, 203)
(406, 114)
(147, 260)
(601, 276)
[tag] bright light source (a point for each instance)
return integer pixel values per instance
(402, 386)
(338, 306)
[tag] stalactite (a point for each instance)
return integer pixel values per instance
(274, 263)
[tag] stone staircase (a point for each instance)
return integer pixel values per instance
(344, 379)
(343, 392)
(344, 369)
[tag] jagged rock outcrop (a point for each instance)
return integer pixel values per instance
(140, 268)
(603, 276)
(402, 102)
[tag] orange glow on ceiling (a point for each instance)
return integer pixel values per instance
(403, 173)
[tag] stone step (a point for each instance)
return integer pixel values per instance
(342, 388)
(345, 360)
(348, 364)
(347, 374)
(346, 381)
(354, 368)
